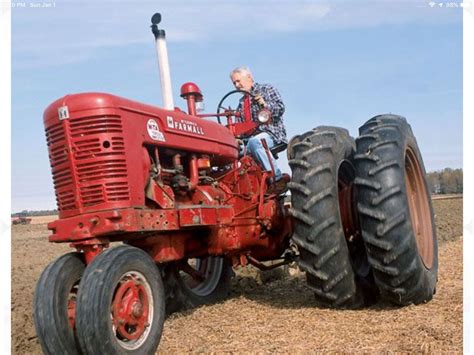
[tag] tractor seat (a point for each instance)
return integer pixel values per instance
(277, 149)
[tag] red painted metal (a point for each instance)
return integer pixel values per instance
(190, 89)
(90, 251)
(267, 152)
(71, 313)
(244, 128)
(347, 210)
(71, 306)
(193, 172)
(164, 181)
(192, 94)
(161, 194)
(247, 109)
(130, 309)
(114, 223)
(242, 125)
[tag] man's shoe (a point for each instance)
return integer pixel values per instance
(279, 186)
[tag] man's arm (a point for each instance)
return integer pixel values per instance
(273, 102)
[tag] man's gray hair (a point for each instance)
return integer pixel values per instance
(241, 70)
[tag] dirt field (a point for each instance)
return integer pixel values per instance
(268, 315)
(43, 219)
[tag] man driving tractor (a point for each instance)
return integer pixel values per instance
(274, 133)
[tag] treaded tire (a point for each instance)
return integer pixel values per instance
(50, 304)
(181, 296)
(395, 210)
(316, 160)
(100, 286)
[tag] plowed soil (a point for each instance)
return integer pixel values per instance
(269, 313)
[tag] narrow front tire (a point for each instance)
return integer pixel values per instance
(55, 302)
(121, 304)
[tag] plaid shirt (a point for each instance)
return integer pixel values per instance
(275, 104)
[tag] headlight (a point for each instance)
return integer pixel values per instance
(264, 116)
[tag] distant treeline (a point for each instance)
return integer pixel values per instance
(27, 213)
(446, 181)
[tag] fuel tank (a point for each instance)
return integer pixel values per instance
(96, 148)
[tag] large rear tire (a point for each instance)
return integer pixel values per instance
(54, 304)
(395, 210)
(121, 304)
(325, 230)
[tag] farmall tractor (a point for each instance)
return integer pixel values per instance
(172, 188)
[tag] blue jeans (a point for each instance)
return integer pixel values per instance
(256, 149)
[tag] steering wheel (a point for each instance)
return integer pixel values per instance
(219, 105)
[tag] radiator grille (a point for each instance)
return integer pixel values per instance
(95, 125)
(60, 167)
(93, 148)
(96, 170)
(66, 200)
(100, 162)
(90, 174)
(54, 134)
(117, 191)
(101, 170)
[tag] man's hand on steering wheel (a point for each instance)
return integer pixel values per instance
(260, 100)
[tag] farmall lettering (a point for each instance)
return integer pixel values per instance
(184, 125)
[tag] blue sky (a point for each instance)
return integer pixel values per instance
(335, 63)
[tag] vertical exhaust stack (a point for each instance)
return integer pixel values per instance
(163, 64)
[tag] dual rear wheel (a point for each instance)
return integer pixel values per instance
(363, 220)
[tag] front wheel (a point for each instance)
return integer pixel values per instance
(395, 210)
(121, 304)
(55, 304)
(197, 281)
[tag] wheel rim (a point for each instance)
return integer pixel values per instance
(350, 220)
(205, 276)
(420, 213)
(132, 310)
(71, 305)
(345, 186)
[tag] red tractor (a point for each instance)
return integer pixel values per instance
(186, 207)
